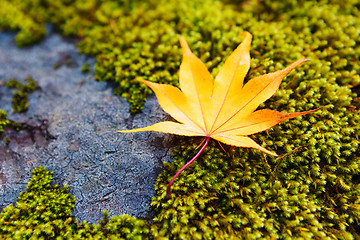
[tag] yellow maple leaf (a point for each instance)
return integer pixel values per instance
(222, 109)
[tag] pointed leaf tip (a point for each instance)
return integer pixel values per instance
(246, 34)
(247, 40)
(297, 63)
(184, 45)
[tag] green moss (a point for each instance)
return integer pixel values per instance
(85, 68)
(13, 83)
(312, 190)
(21, 15)
(20, 101)
(30, 85)
(44, 212)
(3, 121)
(238, 193)
(20, 96)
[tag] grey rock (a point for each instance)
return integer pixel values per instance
(72, 130)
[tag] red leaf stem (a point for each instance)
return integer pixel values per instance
(168, 190)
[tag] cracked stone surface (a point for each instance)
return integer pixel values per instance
(71, 128)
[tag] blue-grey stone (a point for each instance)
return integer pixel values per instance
(72, 130)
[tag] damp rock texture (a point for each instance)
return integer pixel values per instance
(71, 128)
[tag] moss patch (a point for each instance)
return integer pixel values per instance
(85, 68)
(44, 212)
(236, 193)
(312, 190)
(3, 121)
(19, 100)
(20, 96)
(6, 123)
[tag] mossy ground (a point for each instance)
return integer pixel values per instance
(44, 212)
(20, 96)
(4, 123)
(19, 100)
(312, 190)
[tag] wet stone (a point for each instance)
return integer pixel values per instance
(71, 128)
